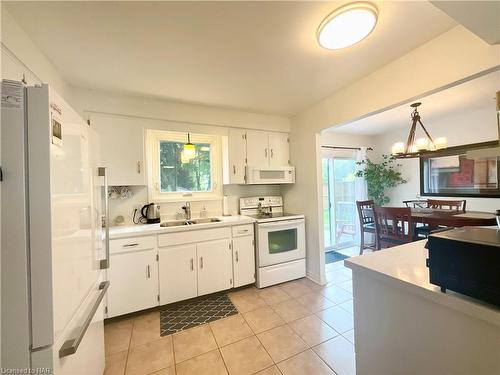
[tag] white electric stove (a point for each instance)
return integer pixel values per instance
(280, 240)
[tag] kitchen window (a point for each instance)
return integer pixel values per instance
(173, 177)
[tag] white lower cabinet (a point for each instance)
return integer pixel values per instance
(214, 266)
(178, 273)
(133, 280)
(146, 271)
(243, 260)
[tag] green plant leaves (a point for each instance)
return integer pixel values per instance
(380, 177)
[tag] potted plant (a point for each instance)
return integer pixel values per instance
(380, 177)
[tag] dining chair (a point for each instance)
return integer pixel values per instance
(416, 203)
(367, 225)
(394, 226)
(457, 205)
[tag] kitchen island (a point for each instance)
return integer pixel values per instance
(405, 325)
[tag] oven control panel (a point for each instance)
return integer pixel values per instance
(253, 202)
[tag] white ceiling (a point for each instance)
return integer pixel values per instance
(466, 97)
(259, 56)
(480, 17)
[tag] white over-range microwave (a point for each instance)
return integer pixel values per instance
(270, 175)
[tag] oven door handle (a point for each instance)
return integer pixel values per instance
(281, 223)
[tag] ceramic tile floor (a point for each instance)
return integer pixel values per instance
(297, 327)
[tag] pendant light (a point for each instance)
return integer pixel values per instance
(188, 151)
(417, 147)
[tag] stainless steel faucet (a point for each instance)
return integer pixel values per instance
(187, 210)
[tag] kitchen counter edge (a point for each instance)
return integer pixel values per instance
(137, 230)
(404, 267)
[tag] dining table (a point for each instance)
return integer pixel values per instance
(434, 217)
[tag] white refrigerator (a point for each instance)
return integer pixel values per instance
(54, 247)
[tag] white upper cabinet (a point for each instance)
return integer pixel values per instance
(122, 149)
(237, 156)
(267, 149)
(257, 148)
(279, 154)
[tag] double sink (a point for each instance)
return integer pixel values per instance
(178, 223)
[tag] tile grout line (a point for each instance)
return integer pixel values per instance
(128, 349)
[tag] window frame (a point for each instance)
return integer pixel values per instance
(154, 137)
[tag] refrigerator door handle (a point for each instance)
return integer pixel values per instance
(103, 172)
(71, 346)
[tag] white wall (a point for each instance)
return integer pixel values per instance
(442, 61)
(21, 56)
(90, 101)
(467, 125)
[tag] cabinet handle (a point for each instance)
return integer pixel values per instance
(265, 152)
(237, 259)
(139, 167)
(234, 169)
(71, 346)
(130, 244)
(272, 153)
(201, 262)
(148, 271)
(192, 264)
(240, 231)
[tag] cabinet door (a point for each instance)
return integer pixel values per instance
(257, 148)
(243, 261)
(214, 266)
(237, 149)
(278, 149)
(177, 267)
(122, 149)
(133, 278)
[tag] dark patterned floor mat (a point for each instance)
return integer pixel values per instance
(334, 256)
(194, 313)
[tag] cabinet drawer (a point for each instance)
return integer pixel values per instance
(242, 230)
(132, 244)
(191, 236)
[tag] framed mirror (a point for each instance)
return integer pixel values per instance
(451, 173)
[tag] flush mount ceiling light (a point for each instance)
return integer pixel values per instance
(347, 25)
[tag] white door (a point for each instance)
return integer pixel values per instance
(237, 148)
(243, 261)
(133, 278)
(177, 269)
(278, 150)
(257, 149)
(214, 266)
(124, 159)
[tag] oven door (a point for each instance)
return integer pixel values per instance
(280, 241)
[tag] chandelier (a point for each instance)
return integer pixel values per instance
(417, 147)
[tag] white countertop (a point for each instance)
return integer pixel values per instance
(404, 266)
(148, 229)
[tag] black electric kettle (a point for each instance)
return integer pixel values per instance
(151, 212)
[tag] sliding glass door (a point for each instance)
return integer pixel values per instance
(339, 202)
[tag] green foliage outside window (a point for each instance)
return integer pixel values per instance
(194, 176)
